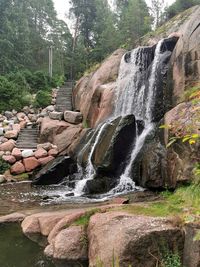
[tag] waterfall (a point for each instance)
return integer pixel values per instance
(90, 171)
(125, 178)
(134, 95)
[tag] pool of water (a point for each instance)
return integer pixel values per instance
(18, 251)
(25, 197)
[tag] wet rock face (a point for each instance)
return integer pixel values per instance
(55, 171)
(113, 147)
(109, 156)
(150, 168)
(160, 105)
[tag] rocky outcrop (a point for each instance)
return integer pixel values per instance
(69, 245)
(30, 164)
(50, 128)
(62, 134)
(73, 117)
(93, 91)
(110, 153)
(185, 61)
(37, 225)
(150, 169)
(13, 217)
(54, 171)
(7, 146)
(109, 236)
(131, 240)
(192, 245)
(181, 156)
(66, 139)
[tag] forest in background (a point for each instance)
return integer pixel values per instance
(28, 28)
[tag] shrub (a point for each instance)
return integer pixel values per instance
(57, 80)
(26, 100)
(9, 95)
(19, 80)
(42, 99)
(3, 166)
(40, 81)
(29, 76)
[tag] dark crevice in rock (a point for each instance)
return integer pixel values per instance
(195, 29)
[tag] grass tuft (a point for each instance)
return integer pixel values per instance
(84, 220)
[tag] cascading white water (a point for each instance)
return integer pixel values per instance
(130, 92)
(125, 178)
(90, 171)
(132, 97)
(129, 77)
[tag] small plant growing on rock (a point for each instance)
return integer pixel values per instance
(84, 240)
(171, 260)
(84, 220)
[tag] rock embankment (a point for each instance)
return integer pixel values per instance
(101, 235)
(32, 138)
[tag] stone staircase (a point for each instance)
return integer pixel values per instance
(28, 138)
(64, 97)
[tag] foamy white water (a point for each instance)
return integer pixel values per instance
(90, 171)
(132, 97)
(125, 178)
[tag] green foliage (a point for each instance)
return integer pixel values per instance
(57, 80)
(134, 21)
(190, 138)
(114, 263)
(85, 124)
(40, 81)
(10, 95)
(22, 177)
(192, 92)
(179, 6)
(19, 80)
(4, 166)
(42, 99)
(197, 236)
(26, 99)
(158, 209)
(84, 240)
(84, 220)
(171, 259)
(27, 29)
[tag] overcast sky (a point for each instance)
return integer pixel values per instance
(62, 7)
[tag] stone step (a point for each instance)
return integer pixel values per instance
(26, 142)
(28, 135)
(27, 139)
(26, 145)
(64, 97)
